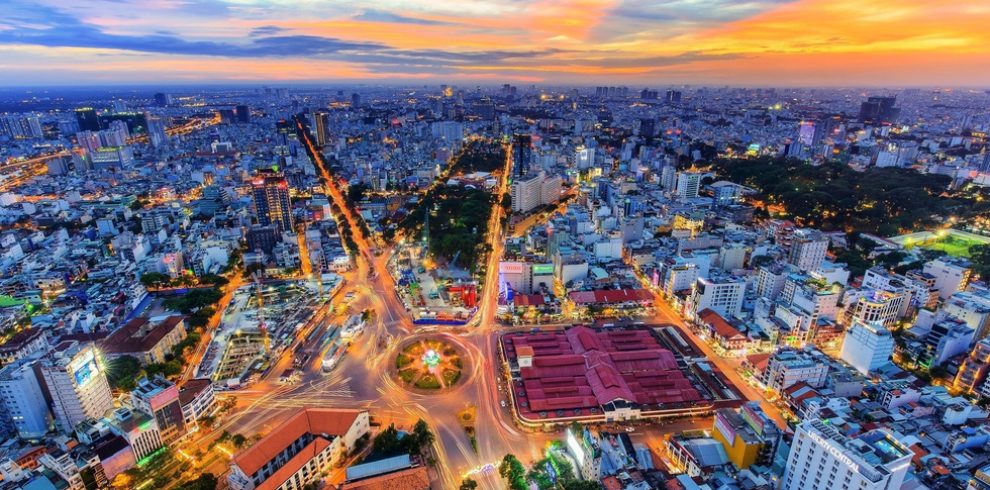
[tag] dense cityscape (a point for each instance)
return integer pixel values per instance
(526, 279)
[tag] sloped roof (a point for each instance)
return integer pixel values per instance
(317, 421)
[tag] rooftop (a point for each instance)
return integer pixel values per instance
(584, 369)
(139, 335)
(317, 421)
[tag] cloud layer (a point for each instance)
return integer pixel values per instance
(637, 42)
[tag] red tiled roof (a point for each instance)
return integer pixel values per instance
(408, 479)
(610, 296)
(333, 422)
(191, 389)
(581, 368)
(528, 299)
(137, 336)
(722, 328)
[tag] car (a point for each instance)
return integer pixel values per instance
(630, 429)
(502, 403)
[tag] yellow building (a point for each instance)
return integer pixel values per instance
(747, 435)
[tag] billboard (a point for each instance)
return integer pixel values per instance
(542, 269)
(725, 428)
(84, 368)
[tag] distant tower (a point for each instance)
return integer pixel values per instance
(243, 114)
(522, 154)
(321, 120)
(87, 118)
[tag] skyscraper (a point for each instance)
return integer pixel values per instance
(355, 100)
(878, 110)
(522, 154)
(271, 200)
(243, 113)
(88, 120)
(673, 97)
(76, 384)
(156, 131)
(321, 121)
(163, 100)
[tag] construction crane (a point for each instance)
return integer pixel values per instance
(261, 312)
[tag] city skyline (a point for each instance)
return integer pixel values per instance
(765, 42)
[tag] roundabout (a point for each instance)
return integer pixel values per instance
(429, 363)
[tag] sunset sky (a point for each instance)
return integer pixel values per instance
(718, 42)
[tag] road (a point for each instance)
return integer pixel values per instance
(363, 379)
(665, 314)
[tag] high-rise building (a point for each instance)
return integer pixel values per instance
(867, 346)
(156, 131)
(522, 154)
(951, 275)
(673, 96)
(973, 370)
(24, 399)
(808, 248)
(163, 100)
(534, 190)
(89, 140)
(271, 200)
(321, 122)
(75, 383)
(721, 293)
(647, 127)
(355, 100)
(243, 114)
(789, 366)
(688, 185)
(822, 458)
(878, 110)
(160, 398)
(88, 120)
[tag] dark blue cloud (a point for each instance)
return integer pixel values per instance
(267, 30)
(382, 16)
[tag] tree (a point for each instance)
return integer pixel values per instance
(123, 372)
(423, 437)
(149, 279)
(206, 481)
(238, 440)
(582, 485)
(468, 484)
(513, 472)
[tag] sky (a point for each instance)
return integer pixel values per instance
(888, 43)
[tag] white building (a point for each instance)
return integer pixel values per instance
(534, 190)
(720, 293)
(808, 247)
(950, 275)
(688, 185)
(677, 275)
(787, 367)
(867, 346)
(821, 458)
(300, 450)
(24, 400)
(76, 383)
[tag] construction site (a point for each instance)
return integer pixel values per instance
(261, 321)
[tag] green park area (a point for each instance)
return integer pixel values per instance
(952, 242)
